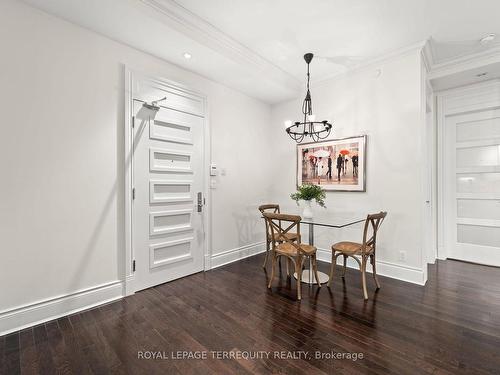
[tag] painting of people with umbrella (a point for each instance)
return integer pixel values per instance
(337, 164)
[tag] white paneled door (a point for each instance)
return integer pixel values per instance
(472, 161)
(168, 184)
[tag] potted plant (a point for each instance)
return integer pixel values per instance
(307, 193)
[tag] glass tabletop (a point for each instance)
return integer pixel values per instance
(334, 221)
(327, 217)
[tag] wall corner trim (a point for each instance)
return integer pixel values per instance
(28, 315)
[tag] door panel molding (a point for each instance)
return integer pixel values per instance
(153, 263)
(174, 161)
(172, 228)
(174, 196)
(176, 134)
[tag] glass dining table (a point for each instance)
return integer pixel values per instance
(326, 219)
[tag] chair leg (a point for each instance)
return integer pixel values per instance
(273, 267)
(332, 269)
(315, 266)
(363, 275)
(345, 265)
(298, 268)
(267, 254)
(372, 259)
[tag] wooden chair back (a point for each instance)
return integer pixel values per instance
(273, 208)
(372, 224)
(278, 230)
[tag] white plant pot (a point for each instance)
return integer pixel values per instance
(307, 213)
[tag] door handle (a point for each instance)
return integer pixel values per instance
(200, 201)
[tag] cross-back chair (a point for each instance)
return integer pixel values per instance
(272, 208)
(296, 252)
(363, 250)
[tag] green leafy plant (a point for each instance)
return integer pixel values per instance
(309, 192)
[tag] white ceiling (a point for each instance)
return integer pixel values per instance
(256, 46)
(282, 30)
(169, 32)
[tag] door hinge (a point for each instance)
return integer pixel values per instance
(200, 201)
(133, 265)
(133, 193)
(133, 122)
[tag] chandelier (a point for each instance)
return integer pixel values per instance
(309, 127)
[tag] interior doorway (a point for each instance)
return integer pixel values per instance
(168, 218)
(471, 174)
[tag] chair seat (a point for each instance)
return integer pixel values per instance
(350, 248)
(289, 249)
(291, 236)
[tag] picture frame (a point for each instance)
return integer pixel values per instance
(333, 164)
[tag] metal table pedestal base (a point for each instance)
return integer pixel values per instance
(323, 277)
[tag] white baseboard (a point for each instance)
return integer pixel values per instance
(393, 270)
(42, 311)
(236, 254)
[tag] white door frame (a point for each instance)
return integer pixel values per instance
(130, 77)
(471, 98)
(430, 176)
(428, 171)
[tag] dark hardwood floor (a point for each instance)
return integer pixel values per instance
(451, 326)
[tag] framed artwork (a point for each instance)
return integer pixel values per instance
(335, 164)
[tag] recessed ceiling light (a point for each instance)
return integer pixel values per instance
(487, 39)
(187, 55)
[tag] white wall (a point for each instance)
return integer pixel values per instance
(61, 160)
(62, 190)
(387, 109)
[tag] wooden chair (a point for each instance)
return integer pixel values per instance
(365, 250)
(273, 208)
(283, 246)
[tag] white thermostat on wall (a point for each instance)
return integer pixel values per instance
(213, 169)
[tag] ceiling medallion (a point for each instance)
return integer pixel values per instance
(309, 127)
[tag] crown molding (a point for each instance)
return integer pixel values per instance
(195, 27)
(464, 63)
(366, 64)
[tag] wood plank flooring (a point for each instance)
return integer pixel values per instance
(450, 326)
